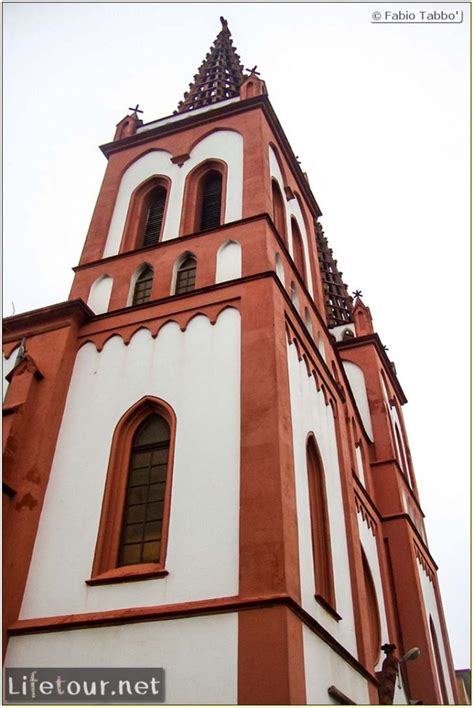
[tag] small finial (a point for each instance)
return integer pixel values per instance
(357, 293)
(224, 23)
(254, 70)
(136, 109)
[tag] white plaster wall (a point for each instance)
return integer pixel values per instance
(431, 608)
(225, 145)
(229, 261)
(310, 414)
(340, 329)
(324, 668)
(357, 382)
(369, 545)
(198, 654)
(292, 208)
(360, 464)
(198, 373)
(7, 366)
(99, 296)
(280, 271)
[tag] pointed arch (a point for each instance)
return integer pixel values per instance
(320, 531)
(204, 197)
(229, 261)
(439, 663)
(374, 630)
(279, 211)
(146, 430)
(307, 321)
(99, 294)
(184, 274)
(294, 296)
(298, 250)
(141, 284)
(144, 224)
(280, 271)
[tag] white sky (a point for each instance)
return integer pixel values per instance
(379, 117)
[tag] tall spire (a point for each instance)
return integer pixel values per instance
(218, 77)
(338, 301)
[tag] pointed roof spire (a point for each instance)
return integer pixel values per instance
(338, 301)
(219, 76)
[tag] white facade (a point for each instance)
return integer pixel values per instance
(225, 145)
(187, 370)
(310, 414)
(198, 654)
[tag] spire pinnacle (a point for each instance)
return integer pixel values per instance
(219, 76)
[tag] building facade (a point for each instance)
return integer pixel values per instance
(206, 467)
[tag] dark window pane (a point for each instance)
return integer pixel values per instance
(143, 285)
(155, 217)
(131, 554)
(158, 473)
(143, 518)
(136, 513)
(211, 200)
(151, 552)
(153, 531)
(138, 495)
(157, 492)
(186, 276)
(140, 476)
(154, 511)
(133, 533)
(155, 430)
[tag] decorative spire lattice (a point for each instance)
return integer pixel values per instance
(337, 299)
(219, 76)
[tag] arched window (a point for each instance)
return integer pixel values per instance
(146, 214)
(144, 503)
(186, 276)
(298, 249)
(279, 212)
(294, 296)
(373, 611)
(211, 200)
(133, 527)
(154, 220)
(439, 664)
(323, 574)
(142, 290)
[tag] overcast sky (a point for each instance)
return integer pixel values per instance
(379, 117)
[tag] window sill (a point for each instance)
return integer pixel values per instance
(129, 573)
(329, 608)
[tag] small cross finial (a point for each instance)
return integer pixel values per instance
(254, 70)
(136, 109)
(357, 293)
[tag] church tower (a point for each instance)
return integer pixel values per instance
(206, 467)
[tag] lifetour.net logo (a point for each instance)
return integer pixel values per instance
(29, 686)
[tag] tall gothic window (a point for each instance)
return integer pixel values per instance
(144, 505)
(279, 212)
(186, 276)
(298, 249)
(320, 526)
(154, 221)
(211, 198)
(143, 285)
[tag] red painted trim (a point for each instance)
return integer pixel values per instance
(128, 573)
(64, 623)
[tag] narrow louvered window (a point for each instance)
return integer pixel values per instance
(144, 505)
(143, 285)
(186, 276)
(154, 222)
(211, 200)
